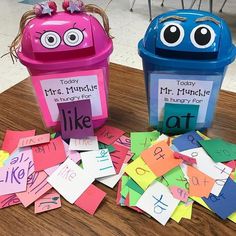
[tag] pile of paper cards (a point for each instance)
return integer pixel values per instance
(39, 168)
(166, 175)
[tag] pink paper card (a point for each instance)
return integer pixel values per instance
(108, 134)
(48, 155)
(12, 138)
(76, 119)
(124, 141)
(37, 185)
(179, 193)
(34, 140)
(13, 177)
(9, 200)
(73, 155)
(49, 201)
(118, 157)
(131, 207)
(186, 159)
(90, 199)
(69, 87)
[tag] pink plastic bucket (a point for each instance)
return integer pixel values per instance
(67, 56)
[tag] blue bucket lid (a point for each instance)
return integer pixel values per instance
(188, 39)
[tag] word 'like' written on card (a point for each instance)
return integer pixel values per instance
(49, 154)
(34, 140)
(86, 144)
(108, 134)
(76, 119)
(37, 185)
(158, 202)
(9, 200)
(98, 163)
(70, 180)
(160, 158)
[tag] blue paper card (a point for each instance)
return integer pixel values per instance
(187, 141)
(225, 204)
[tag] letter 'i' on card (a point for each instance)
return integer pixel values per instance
(158, 202)
(76, 119)
(70, 180)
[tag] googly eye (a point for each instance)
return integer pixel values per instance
(202, 36)
(50, 39)
(172, 34)
(73, 37)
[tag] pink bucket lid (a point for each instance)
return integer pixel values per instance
(64, 41)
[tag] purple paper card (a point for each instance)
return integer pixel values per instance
(76, 119)
(13, 177)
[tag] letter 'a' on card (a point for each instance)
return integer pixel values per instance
(179, 118)
(160, 158)
(76, 119)
(70, 180)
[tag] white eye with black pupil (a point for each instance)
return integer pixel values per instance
(202, 36)
(73, 37)
(50, 39)
(172, 34)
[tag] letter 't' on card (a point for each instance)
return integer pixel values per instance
(70, 180)
(179, 118)
(158, 202)
(160, 158)
(76, 119)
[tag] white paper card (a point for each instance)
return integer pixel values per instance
(98, 163)
(218, 171)
(86, 144)
(70, 180)
(158, 202)
(112, 180)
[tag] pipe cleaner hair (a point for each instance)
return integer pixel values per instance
(50, 8)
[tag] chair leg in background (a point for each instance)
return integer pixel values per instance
(182, 3)
(192, 4)
(162, 3)
(150, 9)
(132, 5)
(199, 5)
(221, 9)
(211, 5)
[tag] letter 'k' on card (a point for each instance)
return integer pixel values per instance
(98, 163)
(108, 134)
(158, 202)
(70, 180)
(160, 158)
(76, 119)
(140, 173)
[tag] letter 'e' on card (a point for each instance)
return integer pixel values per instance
(76, 119)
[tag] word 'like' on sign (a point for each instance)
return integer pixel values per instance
(76, 119)
(158, 202)
(179, 118)
(49, 154)
(108, 134)
(70, 180)
(34, 140)
(160, 158)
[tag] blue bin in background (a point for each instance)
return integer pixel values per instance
(185, 55)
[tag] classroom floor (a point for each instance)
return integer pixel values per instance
(127, 28)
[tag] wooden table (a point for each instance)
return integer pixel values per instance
(128, 111)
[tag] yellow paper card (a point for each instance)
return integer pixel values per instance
(182, 211)
(140, 173)
(3, 157)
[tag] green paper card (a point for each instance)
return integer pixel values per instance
(179, 118)
(141, 141)
(174, 177)
(104, 146)
(134, 186)
(133, 197)
(124, 189)
(219, 150)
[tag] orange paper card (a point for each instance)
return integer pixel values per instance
(200, 184)
(160, 158)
